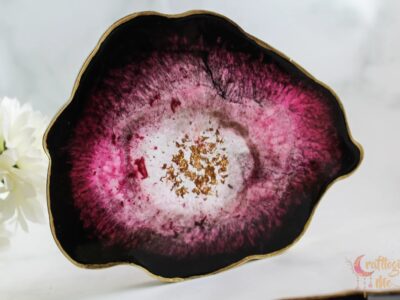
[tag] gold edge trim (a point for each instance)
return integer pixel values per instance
(261, 44)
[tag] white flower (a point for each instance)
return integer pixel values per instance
(23, 165)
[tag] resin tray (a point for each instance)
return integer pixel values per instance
(188, 147)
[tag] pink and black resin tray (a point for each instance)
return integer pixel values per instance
(189, 146)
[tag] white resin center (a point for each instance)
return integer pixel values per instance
(160, 146)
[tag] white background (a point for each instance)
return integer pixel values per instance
(352, 45)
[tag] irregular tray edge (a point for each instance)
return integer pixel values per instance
(259, 43)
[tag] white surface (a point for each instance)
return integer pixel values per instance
(351, 45)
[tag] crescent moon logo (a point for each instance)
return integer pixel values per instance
(358, 269)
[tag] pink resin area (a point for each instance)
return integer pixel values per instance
(279, 137)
